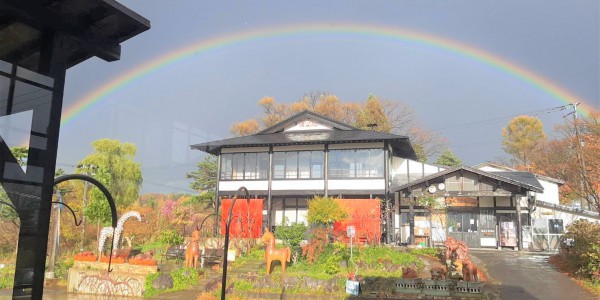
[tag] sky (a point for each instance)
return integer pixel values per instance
(414, 52)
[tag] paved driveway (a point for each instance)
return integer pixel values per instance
(526, 275)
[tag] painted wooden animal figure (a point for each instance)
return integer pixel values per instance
(271, 253)
(438, 272)
(469, 270)
(409, 272)
(193, 251)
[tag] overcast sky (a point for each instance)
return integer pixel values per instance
(197, 99)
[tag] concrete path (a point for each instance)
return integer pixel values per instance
(528, 276)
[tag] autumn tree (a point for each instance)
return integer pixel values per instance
(448, 158)
(205, 179)
(521, 136)
(116, 169)
(374, 114)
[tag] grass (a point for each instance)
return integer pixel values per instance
(7, 277)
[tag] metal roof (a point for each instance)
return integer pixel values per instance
(400, 144)
(90, 27)
(525, 180)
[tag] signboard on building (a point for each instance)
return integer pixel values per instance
(462, 201)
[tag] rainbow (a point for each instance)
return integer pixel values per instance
(352, 30)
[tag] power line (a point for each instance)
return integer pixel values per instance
(533, 113)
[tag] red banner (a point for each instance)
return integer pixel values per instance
(364, 215)
(246, 217)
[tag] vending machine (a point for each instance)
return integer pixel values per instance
(508, 234)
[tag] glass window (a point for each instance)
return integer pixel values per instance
(316, 164)
(262, 165)
(278, 165)
(4, 86)
(462, 221)
(238, 166)
(245, 166)
(555, 226)
(226, 166)
(362, 163)
(250, 166)
(298, 164)
(304, 164)
(291, 165)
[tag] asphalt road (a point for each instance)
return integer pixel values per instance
(529, 276)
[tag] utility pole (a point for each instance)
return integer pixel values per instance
(87, 170)
(583, 173)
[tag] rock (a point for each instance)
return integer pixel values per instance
(163, 281)
(289, 282)
(212, 285)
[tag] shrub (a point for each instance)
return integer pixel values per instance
(324, 211)
(182, 279)
(317, 244)
(291, 235)
(584, 256)
(170, 237)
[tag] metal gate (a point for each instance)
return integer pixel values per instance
(543, 237)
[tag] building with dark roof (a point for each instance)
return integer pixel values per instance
(307, 155)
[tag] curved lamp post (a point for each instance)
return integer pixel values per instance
(109, 198)
(226, 247)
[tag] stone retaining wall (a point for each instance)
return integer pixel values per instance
(94, 278)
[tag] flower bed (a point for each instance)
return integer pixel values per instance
(85, 256)
(115, 260)
(142, 262)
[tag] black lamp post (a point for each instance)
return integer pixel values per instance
(225, 250)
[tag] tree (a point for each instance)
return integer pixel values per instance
(372, 114)
(205, 179)
(115, 168)
(390, 116)
(448, 158)
(521, 136)
(324, 211)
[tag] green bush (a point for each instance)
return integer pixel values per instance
(170, 237)
(291, 235)
(324, 211)
(182, 279)
(61, 269)
(584, 255)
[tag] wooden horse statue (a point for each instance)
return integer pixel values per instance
(193, 251)
(271, 254)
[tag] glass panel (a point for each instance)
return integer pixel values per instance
(35, 77)
(291, 165)
(335, 164)
(347, 162)
(304, 164)
(250, 166)
(262, 165)
(376, 163)
(5, 66)
(4, 87)
(316, 163)
(28, 97)
(278, 165)
(238, 166)
(226, 166)
(362, 158)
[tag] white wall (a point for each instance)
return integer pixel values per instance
(280, 185)
(356, 184)
(251, 185)
(550, 193)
